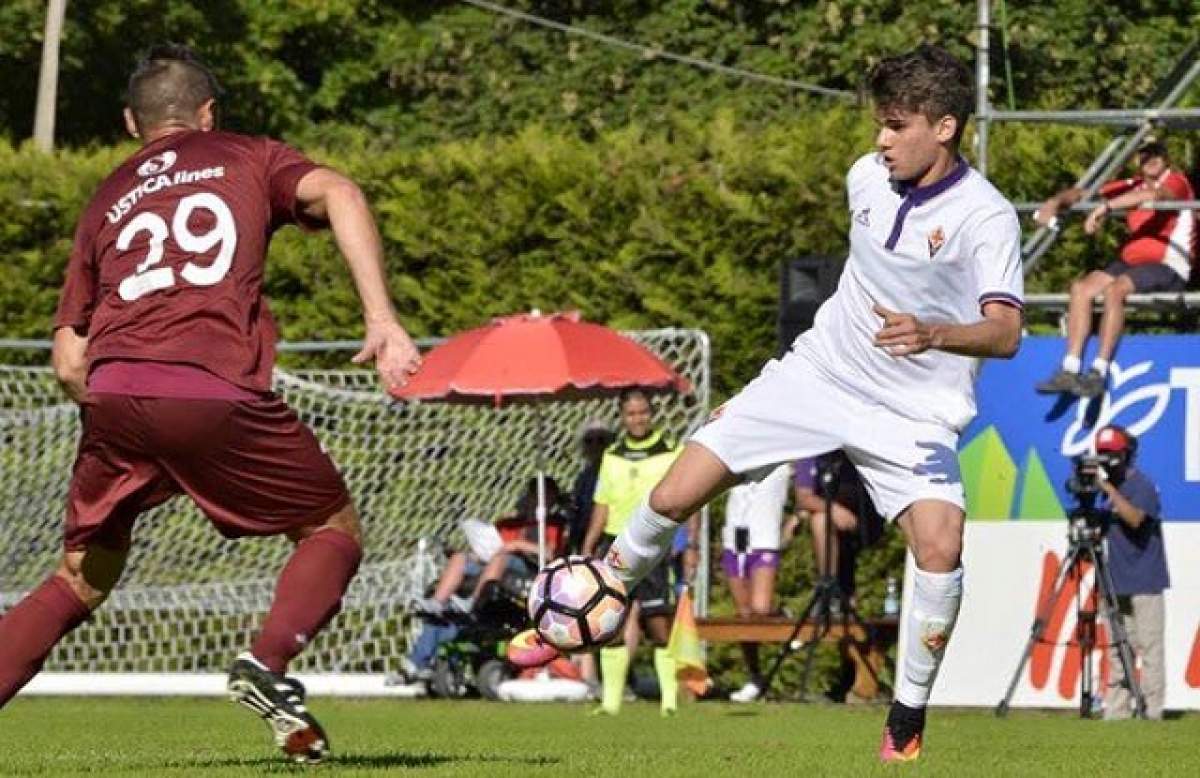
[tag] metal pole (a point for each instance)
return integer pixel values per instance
(47, 93)
(981, 88)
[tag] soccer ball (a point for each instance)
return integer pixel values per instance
(577, 603)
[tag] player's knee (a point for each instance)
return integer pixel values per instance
(939, 554)
(345, 521)
(90, 578)
(668, 500)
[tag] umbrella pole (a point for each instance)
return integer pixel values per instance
(541, 489)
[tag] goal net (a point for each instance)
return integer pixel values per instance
(190, 600)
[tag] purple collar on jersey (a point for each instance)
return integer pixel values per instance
(919, 195)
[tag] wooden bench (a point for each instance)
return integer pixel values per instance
(863, 642)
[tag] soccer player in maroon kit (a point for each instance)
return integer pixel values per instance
(163, 338)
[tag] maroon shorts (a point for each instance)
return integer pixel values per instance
(251, 466)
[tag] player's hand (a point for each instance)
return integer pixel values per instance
(902, 334)
(393, 352)
(1095, 219)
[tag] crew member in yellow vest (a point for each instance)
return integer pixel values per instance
(629, 470)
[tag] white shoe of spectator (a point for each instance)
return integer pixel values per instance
(748, 693)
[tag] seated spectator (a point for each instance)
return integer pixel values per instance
(754, 515)
(519, 534)
(1156, 257)
(514, 552)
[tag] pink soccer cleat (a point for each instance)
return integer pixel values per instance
(527, 649)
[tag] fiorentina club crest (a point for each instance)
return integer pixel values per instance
(937, 239)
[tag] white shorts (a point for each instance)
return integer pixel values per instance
(757, 507)
(794, 410)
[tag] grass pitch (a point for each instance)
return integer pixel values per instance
(61, 737)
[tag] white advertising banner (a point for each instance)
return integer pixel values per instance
(1009, 567)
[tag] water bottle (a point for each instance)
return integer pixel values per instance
(891, 597)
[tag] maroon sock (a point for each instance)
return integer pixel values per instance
(309, 594)
(30, 630)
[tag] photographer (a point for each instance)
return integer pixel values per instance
(1138, 564)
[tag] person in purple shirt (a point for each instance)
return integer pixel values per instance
(1138, 563)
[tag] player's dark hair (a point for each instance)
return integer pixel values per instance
(928, 80)
(629, 392)
(169, 84)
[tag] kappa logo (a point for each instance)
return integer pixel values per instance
(159, 163)
(613, 559)
(863, 217)
(1060, 621)
(937, 239)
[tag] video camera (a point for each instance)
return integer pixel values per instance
(1085, 479)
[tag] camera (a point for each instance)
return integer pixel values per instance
(1085, 479)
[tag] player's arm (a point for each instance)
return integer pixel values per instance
(325, 195)
(595, 529)
(998, 334)
(68, 355)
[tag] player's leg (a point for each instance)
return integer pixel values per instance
(933, 529)
(911, 472)
(615, 660)
(772, 420)
(1079, 327)
(310, 589)
(32, 627)
(654, 594)
(696, 477)
(254, 469)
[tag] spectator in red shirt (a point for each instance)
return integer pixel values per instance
(164, 339)
(1156, 258)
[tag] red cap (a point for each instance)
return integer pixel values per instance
(1112, 439)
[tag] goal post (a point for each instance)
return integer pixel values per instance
(190, 599)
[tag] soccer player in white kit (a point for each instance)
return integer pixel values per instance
(931, 285)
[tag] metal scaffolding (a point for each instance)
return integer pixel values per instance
(1135, 125)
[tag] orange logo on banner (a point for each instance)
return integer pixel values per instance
(1192, 674)
(1041, 660)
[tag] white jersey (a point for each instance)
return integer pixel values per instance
(938, 252)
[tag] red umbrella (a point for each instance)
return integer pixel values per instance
(531, 357)
(534, 357)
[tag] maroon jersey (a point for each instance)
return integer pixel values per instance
(169, 255)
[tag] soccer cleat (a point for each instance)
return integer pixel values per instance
(1089, 385)
(279, 701)
(902, 734)
(527, 649)
(1062, 382)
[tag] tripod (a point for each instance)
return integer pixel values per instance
(826, 591)
(1086, 537)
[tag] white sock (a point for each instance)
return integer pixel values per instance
(930, 620)
(1100, 366)
(1071, 363)
(643, 543)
